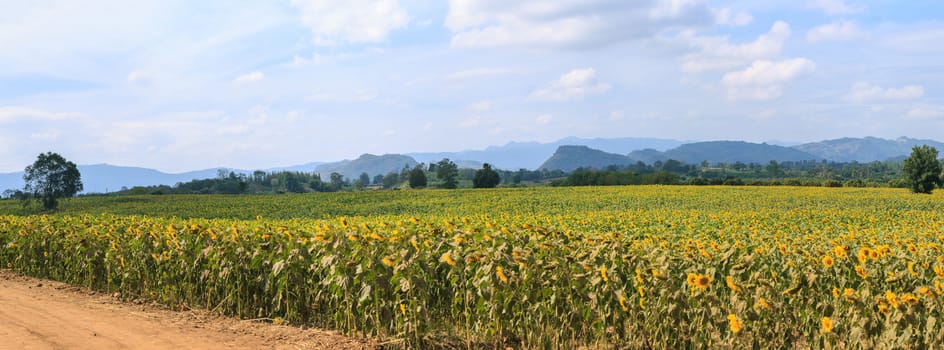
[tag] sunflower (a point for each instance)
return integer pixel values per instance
(883, 307)
(891, 298)
(926, 291)
(447, 259)
(909, 299)
(860, 270)
(827, 324)
(840, 252)
(761, 304)
(501, 274)
(735, 323)
(729, 280)
(603, 274)
(849, 294)
(702, 281)
(828, 261)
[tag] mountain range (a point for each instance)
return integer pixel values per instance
(565, 154)
(530, 155)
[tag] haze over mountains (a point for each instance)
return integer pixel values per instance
(565, 154)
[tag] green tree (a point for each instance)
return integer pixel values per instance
(447, 172)
(391, 180)
(52, 177)
(418, 177)
(337, 180)
(923, 170)
(486, 177)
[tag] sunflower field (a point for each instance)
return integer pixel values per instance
(611, 267)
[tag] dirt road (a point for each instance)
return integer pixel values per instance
(42, 314)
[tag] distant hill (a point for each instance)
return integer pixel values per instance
(303, 168)
(530, 155)
(101, 178)
(569, 158)
(367, 163)
(647, 156)
(735, 151)
(723, 152)
(866, 149)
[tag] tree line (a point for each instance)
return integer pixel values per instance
(51, 177)
(443, 174)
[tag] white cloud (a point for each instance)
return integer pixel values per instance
(476, 73)
(837, 31)
(353, 21)
(727, 17)
(575, 84)
(470, 122)
(481, 106)
(865, 92)
(138, 77)
(717, 53)
(543, 119)
(350, 97)
(925, 39)
(10, 114)
(835, 7)
(567, 24)
(763, 80)
(925, 112)
(249, 78)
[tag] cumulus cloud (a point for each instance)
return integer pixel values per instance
(470, 122)
(835, 7)
(249, 78)
(481, 106)
(575, 84)
(925, 112)
(352, 21)
(865, 92)
(10, 114)
(837, 31)
(718, 53)
(567, 24)
(543, 119)
(476, 73)
(763, 80)
(138, 77)
(727, 17)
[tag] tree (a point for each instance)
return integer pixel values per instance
(486, 177)
(923, 170)
(391, 179)
(418, 177)
(337, 180)
(774, 169)
(447, 172)
(52, 177)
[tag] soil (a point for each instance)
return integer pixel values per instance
(43, 314)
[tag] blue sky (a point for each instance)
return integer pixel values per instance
(179, 85)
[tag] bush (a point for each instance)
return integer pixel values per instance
(832, 183)
(697, 181)
(856, 183)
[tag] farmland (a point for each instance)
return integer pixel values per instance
(644, 266)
